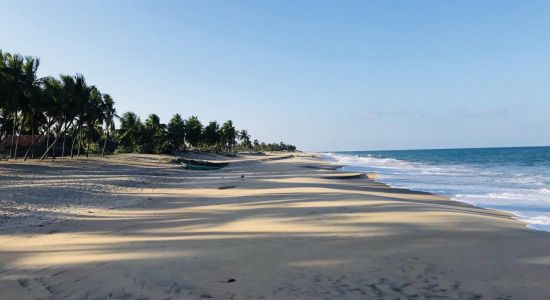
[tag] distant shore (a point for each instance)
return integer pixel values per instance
(131, 226)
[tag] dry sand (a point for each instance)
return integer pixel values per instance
(137, 227)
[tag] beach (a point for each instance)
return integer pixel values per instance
(264, 227)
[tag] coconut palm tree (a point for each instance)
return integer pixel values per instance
(81, 94)
(67, 108)
(12, 90)
(211, 134)
(52, 95)
(19, 86)
(176, 131)
(244, 137)
(154, 137)
(109, 114)
(228, 134)
(6, 95)
(32, 106)
(129, 133)
(70, 101)
(92, 118)
(193, 131)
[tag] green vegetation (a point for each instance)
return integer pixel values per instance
(66, 117)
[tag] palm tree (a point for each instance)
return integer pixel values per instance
(52, 95)
(109, 114)
(12, 92)
(211, 134)
(244, 137)
(68, 108)
(154, 135)
(229, 134)
(69, 102)
(81, 94)
(92, 118)
(19, 86)
(24, 103)
(193, 130)
(32, 106)
(176, 131)
(129, 133)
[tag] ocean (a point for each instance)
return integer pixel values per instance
(515, 180)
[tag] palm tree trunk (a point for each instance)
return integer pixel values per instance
(64, 141)
(32, 134)
(47, 139)
(105, 143)
(32, 145)
(75, 138)
(72, 144)
(87, 148)
(16, 143)
(64, 137)
(17, 140)
(13, 131)
(55, 141)
(50, 147)
(32, 142)
(79, 142)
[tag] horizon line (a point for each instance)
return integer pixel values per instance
(421, 149)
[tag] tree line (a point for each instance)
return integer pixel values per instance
(73, 117)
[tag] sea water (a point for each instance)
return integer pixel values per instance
(515, 180)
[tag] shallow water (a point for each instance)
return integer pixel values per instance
(515, 180)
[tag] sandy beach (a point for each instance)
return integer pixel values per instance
(141, 227)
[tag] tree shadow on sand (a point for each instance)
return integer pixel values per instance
(270, 238)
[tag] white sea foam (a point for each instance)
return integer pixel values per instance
(514, 190)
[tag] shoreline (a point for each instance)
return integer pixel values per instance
(288, 228)
(511, 214)
(533, 225)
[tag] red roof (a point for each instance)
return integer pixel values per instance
(24, 141)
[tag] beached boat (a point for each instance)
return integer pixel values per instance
(200, 165)
(197, 167)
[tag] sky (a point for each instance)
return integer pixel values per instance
(322, 75)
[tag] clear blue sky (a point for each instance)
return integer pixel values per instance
(324, 75)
